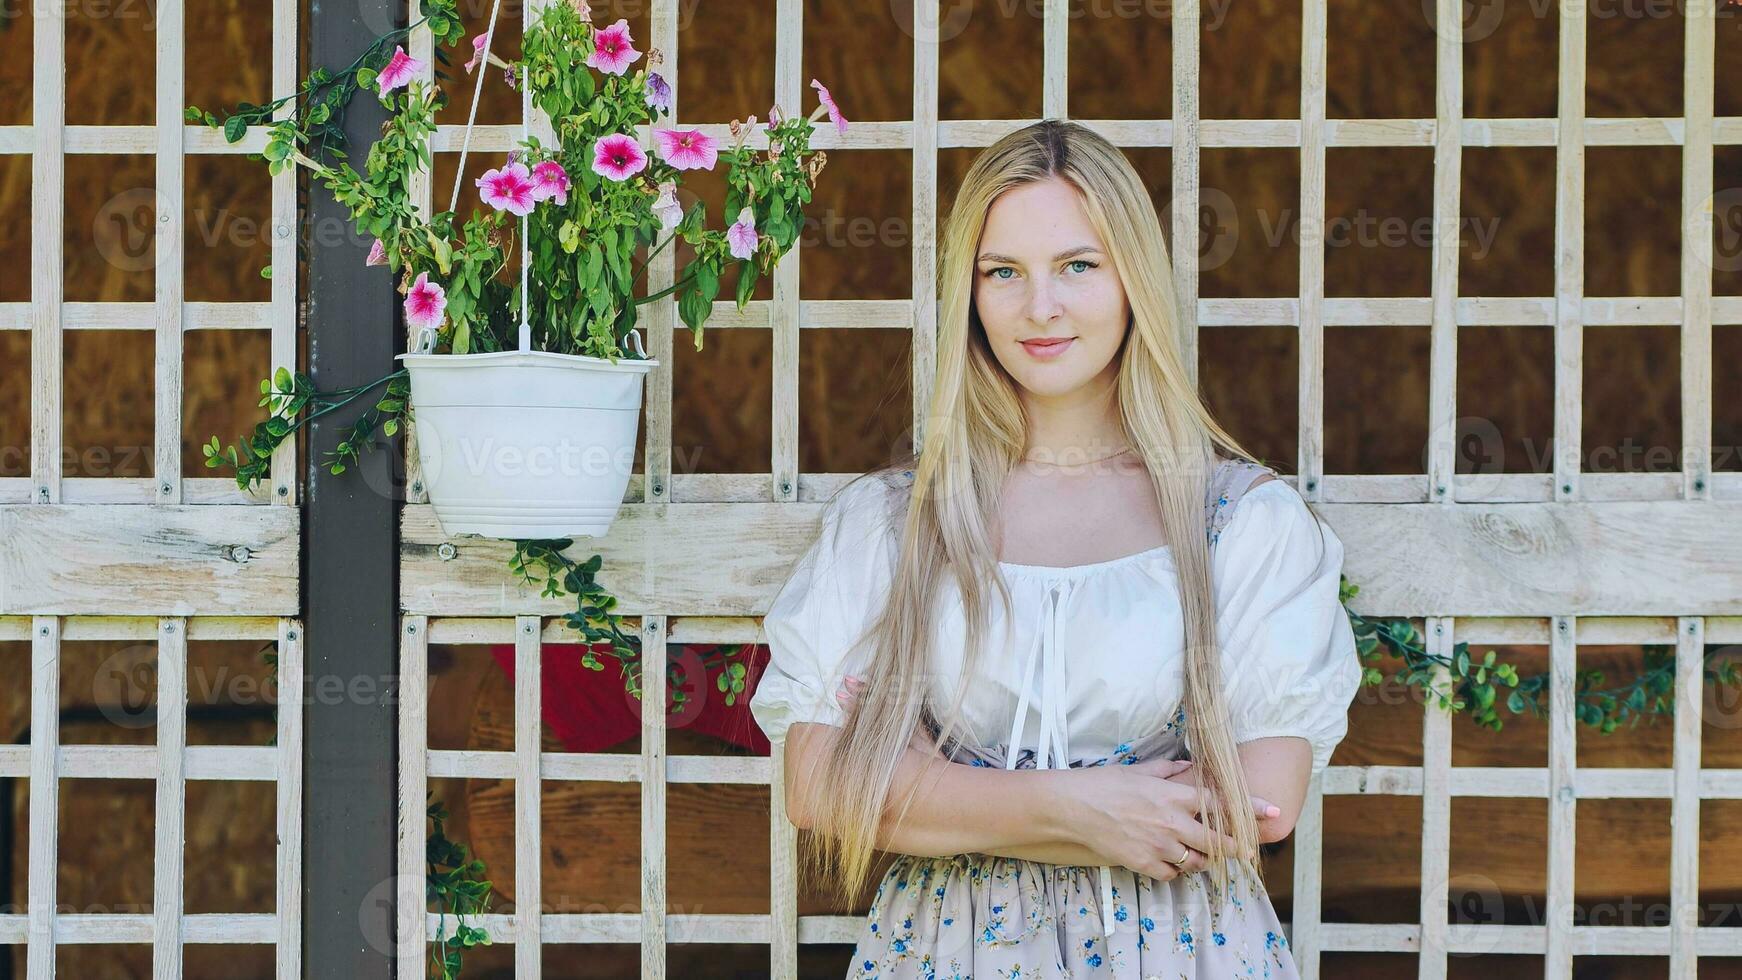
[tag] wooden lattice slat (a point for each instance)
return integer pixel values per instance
(1563, 744)
(655, 921)
(1447, 225)
(44, 802)
(1684, 814)
(288, 910)
(1186, 139)
(1436, 811)
(169, 273)
(171, 810)
(413, 792)
(283, 312)
(47, 280)
(1310, 337)
(1699, 84)
(1569, 208)
(528, 831)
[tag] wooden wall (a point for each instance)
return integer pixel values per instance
(855, 395)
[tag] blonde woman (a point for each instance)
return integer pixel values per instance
(996, 656)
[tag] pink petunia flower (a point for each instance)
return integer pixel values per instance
(658, 92)
(550, 182)
(400, 70)
(426, 303)
(618, 157)
(377, 254)
(828, 101)
(741, 237)
(687, 149)
(508, 188)
(613, 51)
(583, 10)
(668, 209)
(478, 54)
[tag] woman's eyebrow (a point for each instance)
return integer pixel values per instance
(1067, 253)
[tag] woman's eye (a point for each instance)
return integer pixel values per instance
(993, 273)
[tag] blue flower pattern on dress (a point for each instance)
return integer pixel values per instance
(980, 915)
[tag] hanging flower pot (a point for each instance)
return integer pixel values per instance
(526, 444)
(528, 437)
(531, 436)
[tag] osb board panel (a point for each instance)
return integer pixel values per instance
(125, 560)
(1380, 67)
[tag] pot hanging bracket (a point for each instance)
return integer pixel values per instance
(426, 341)
(634, 335)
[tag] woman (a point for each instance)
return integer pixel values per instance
(1156, 591)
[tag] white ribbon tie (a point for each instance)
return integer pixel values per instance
(1054, 751)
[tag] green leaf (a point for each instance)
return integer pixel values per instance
(693, 221)
(707, 280)
(692, 308)
(595, 263)
(235, 128)
(609, 238)
(746, 282)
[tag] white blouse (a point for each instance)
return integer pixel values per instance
(1094, 658)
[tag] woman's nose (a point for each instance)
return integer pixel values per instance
(1043, 302)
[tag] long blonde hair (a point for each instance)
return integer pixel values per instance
(975, 435)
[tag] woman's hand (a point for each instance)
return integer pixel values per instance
(1266, 811)
(1142, 819)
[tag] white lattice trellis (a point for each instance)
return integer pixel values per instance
(1609, 529)
(81, 559)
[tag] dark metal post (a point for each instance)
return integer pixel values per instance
(350, 565)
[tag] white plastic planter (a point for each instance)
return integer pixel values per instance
(526, 444)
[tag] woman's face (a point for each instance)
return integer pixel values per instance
(1042, 274)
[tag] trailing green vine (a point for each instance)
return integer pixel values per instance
(456, 885)
(542, 563)
(318, 114)
(1475, 684)
(286, 397)
(453, 882)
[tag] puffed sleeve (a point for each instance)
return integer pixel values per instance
(1289, 658)
(826, 604)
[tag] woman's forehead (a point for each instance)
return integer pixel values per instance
(1037, 222)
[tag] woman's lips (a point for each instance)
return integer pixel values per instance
(1046, 350)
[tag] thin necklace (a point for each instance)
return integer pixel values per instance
(1097, 459)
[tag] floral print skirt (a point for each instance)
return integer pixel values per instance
(988, 917)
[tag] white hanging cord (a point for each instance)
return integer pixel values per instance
(466, 142)
(477, 91)
(525, 223)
